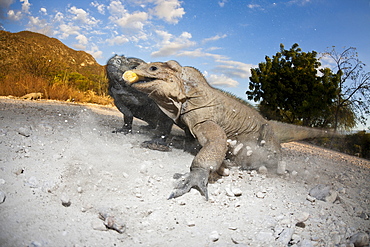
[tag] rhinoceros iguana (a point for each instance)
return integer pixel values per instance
(224, 125)
(133, 103)
(32, 96)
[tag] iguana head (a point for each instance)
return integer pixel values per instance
(117, 65)
(162, 82)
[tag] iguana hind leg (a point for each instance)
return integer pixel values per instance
(213, 139)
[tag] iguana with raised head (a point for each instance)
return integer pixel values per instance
(224, 125)
(133, 103)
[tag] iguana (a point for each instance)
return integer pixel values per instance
(133, 103)
(224, 125)
(33, 96)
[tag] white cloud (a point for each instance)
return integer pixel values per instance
(82, 39)
(200, 53)
(95, 52)
(82, 16)
(25, 6)
(134, 22)
(234, 68)
(99, 7)
(67, 30)
(44, 11)
(214, 38)
(169, 10)
(254, 6)
(221, 80)
(36, 24)
(14, 16)
(169, 47)
(118, 40)
(222, 3)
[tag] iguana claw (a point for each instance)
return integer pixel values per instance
(197, 178)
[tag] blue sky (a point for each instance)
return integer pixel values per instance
(222, 38)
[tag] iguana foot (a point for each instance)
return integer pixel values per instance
(156, 145)
(123, 130)
(197, 178)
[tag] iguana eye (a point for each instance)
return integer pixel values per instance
(153, 68)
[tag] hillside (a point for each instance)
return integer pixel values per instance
(14, 46)
(33, 62)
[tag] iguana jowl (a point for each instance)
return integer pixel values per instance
(223, 124)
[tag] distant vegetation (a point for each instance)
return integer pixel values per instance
(32, 62)
(357, 144)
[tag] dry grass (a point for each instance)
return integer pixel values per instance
(19, 85)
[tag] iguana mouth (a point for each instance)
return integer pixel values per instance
(133, 78)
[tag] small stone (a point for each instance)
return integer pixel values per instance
(260, 195)
(285, 236)
(24, 131)
(300, 224)
(65, 200)
(302, 217)
(237, 191)
(214, 236)
(35, 244)
(2, 181)
(262, 170)
(224, 171)
(2, 197)
(360, 239)
(32, 182)
(281, 168)
(294, 174)
(305, 243)
(324, 193)
(97, 225)
(79, 189)
(190, 223)
(229, 192)
(310, 198)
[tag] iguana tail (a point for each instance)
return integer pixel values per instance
(289, 132)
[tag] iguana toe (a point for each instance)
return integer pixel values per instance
(197, 178)
(156, 144)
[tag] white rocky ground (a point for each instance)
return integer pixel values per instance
(65, 177)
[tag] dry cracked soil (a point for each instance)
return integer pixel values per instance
(67, 180)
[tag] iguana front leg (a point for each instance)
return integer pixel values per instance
(214, 145)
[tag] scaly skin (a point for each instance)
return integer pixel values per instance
(224, 125)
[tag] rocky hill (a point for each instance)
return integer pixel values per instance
(15, 47)
(32, 62)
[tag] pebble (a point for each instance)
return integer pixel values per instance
(324, 193)
(190, 223)
(24, 131)
(2, 197)
(237, 191)
(32, 182)
(305, 243)
(360, 239)
(214, 236)
(2, 181)
(302, 217)
(281, 168)
(262, 170)
(66, 202)
(229, 192)
(285, 236)
(260, 194)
